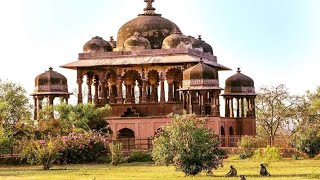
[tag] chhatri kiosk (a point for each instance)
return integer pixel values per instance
(152, 70)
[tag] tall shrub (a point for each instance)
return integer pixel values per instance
(188, 144)
(116, 153)
(246, 146)
(40, 152)
(307, 141)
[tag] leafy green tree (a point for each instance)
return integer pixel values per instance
(188, 144)
(84, 116)
(306, 136)
(275, 108)
(14, 104)
(6, 141)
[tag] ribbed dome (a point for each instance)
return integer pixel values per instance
(150, 25)
(239, 83)
(51, 81)
(176, 40)
(97, 44)
(201, 45)
(200, 71)
(136, 42)
(200, 76)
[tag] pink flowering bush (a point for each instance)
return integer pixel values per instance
(81, 147)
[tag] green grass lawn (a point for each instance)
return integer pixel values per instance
(285, 169)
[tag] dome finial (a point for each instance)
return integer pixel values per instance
(149, 10)
(199, 37)
(50, 68)
(239, 71)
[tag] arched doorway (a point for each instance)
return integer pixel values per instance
(125, 133)
(126, 137)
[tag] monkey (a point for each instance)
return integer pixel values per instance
(263, 171)
(243, 177)
(232, 172)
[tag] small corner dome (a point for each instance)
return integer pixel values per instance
(200, 71)
(137, 42)
(97, 44)
(201, 45)
(239, 83)
(176, 40)
(51, 81)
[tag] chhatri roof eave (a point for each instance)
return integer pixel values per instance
(132, 61)
(144, 57)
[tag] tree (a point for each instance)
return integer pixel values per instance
(306, 137)
(274, 108)
(188, 144)
(84, 116)
(14, 104)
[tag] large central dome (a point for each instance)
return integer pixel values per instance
(150, 25)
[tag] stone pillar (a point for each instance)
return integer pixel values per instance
(79, 82)
(202, 107)
(175, 91)
(35, 108)
(128, 93)
(248, 107)
(144, 91)
(238, 108)
(153, 95)
(242, 108)
(226, 107)
(253, 107)
(231, 108)
(133, 96)
(113, 90)
(103, 89)
(162, 91)
(89, 83)
(119, 90)
(190, 102)
(170, 89)
(96, 95)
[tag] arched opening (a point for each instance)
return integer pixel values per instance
(222, 131)
(126, 137)
(230, 131)
(125, 133)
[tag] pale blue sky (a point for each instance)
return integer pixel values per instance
(273, 41)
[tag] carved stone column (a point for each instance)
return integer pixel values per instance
(226, 101)
(79, 82)
(242, 108)
(170, 89)
(89, 83)
(35, 108)
(119, 90)
(144, 91)
(128, 93)
(238, 108)
(103, 91)
(162, 91)
(96, 93)
(113, 90)
(248, 107)
(231, 108)
(253, 107)
(190, 110)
